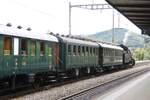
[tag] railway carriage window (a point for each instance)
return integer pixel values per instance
(23, 47)
(42, 48)
(120, 52)
(87, 50)
(69, 49)
(96, 51)
(113, 52)
(106, 52)
(83, 50)
(79, 49)
(109, 52)
(103, 51)
(91, 50)
(74, 50)
(49, 51)
(117, 53)
(7, 45)
(33, 46)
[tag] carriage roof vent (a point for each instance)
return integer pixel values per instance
(8, 24)
(29, 29)
(19, 27)
(67, 35)
(57, 34)
(63, 35)
(51, 33)
(71, 37)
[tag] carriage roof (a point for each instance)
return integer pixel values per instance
(104, 45)
(11, 31)
(78, 41)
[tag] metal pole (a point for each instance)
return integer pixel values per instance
(118, 20)
(89, 7)
(69, 18)
(113, 26)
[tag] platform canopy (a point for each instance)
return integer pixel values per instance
(137, 11)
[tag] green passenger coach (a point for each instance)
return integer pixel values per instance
(24, 54)
(78, 55)
(111, 56)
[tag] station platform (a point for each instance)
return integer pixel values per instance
(136, 89)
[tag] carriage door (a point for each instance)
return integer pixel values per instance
(56, 55)
(16, 53)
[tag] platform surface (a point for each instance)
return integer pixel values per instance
(136, 89)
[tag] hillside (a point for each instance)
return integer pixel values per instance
(121, 36)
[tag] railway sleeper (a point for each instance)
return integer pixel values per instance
(99, 69)
(4, 84)
(50, 79)
(63, 76)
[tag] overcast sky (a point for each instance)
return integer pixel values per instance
(52, 15)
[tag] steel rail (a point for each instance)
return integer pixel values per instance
(90, 90)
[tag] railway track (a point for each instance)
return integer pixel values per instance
(30, 90)
(87, 94)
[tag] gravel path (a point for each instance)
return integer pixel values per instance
(65, 90)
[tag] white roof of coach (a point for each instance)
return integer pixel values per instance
(110, 46)
(5, 30)
(78, 41)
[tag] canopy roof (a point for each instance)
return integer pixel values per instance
(137, 11)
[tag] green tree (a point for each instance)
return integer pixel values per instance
(139, 54)
(147, 53)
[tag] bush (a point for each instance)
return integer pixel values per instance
(142, 54)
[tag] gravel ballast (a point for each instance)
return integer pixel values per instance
(65, 90)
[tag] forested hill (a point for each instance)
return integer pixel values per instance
(121, 36)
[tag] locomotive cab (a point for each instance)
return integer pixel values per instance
(127, 56)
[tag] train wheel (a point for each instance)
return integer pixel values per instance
(13, 82)
(88, 70)
(77, 72)
(63, 76)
